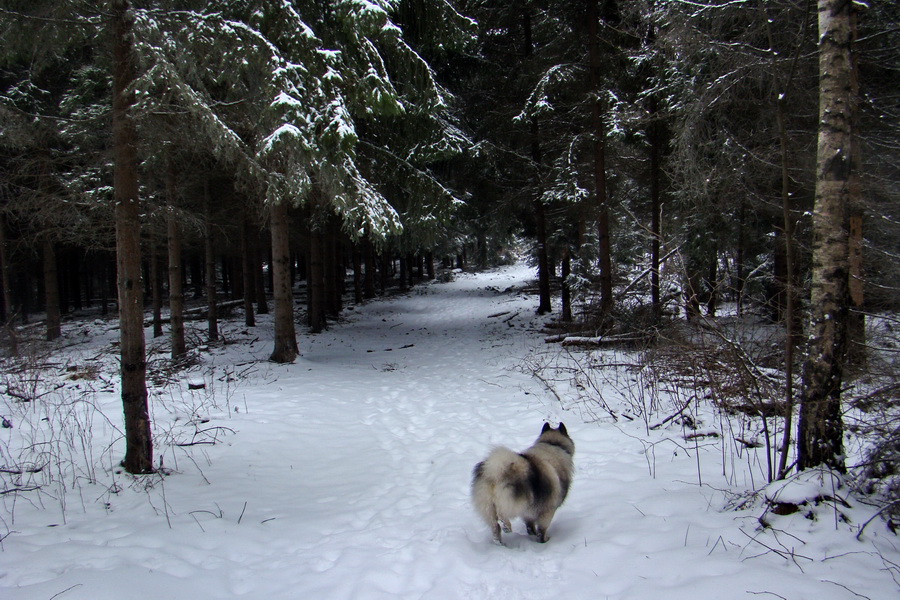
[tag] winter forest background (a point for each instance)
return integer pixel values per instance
(667, 167)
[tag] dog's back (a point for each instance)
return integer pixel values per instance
(530, 485)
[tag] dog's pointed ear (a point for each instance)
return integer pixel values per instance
(546, 428)
(562, 428)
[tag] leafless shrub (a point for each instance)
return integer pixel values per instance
(874, 416)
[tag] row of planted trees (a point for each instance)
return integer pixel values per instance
(658, 150)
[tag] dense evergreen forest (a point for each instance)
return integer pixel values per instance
(658, 159)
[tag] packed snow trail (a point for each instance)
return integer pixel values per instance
(348, 476)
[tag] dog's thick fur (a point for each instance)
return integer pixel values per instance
(531, 485)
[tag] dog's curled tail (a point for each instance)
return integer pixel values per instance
(497, 485)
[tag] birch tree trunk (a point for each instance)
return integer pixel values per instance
(138, 441)
(821, 429)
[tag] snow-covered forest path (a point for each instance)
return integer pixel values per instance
(347, 477)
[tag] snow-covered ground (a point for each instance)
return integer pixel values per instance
(346, 476)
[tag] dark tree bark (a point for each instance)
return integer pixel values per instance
(385, 273)
(693, 284)
(712, 286)
(138, 441)
(176, 275)
(368, 249)
(247, 271)
(429, 264)
(106, 284)
(316, 279)
(212, 317)
(286, 349)
(156, 287)
(566, 294)
(404, 279)
(599, 157)
(357, 273)
(787, 217)
(544, 298)
(259, 276)
(820, 435)
(51, 291)
(656, 139)
(540, 215)
(790, 313)
(176, 287)
(8, 310)
(334, 275)
(856, 320)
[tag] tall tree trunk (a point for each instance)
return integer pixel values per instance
(856, 320)
(543, 263)
(316, 279)
(712, 286)
(331, 264)
(790, 316)
(544, 297)
(51, 291)
(105, 285)
(286, 349)
(176, 271)
(821, 429)
(599, 157)
(385, 273)
(566, 294)
(259, 276)
(8, 310)
(656, 140)
(404, 280)
(176, 281)
(138, 440)
(247, 272)
(787, 219)
(410, 264)
(739, 260)
(429, 264)
(156, 286)
(212, 317)
(356, 254)
(370, 260)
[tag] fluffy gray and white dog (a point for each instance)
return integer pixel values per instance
(529, 485)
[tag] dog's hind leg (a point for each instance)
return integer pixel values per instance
(495, 524)
(543, 524)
